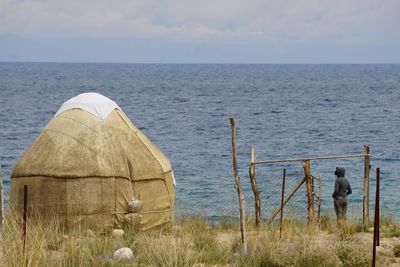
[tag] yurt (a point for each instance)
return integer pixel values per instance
(92, 167)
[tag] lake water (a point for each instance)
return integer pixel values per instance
(285, 111)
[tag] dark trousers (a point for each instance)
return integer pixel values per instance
(341, 207)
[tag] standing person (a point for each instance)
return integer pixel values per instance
(342, 190)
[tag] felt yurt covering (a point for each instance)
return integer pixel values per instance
(88, 163)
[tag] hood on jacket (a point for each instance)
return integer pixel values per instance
(340, 171)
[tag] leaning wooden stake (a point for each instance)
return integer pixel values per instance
(310, 191)
(282, 198)
(252, 175)
(366, 184)
(277, 209)
(238, 185)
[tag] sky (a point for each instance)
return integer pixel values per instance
(202, 31)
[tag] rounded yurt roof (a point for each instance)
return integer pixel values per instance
(90, 136)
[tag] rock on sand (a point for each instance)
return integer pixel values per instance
(123, 254)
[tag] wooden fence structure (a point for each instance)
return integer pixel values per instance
(308, 179)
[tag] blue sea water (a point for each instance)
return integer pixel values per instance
(285, 111)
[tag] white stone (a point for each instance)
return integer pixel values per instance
(117, 233)
(135, 205)
(123, 254)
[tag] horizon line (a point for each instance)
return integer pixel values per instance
(199, 63)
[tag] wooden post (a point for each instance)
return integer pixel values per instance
(310, 191)
(366, 184)
(252, 175)
(1, 202)
(282, 198)
(375, 241)
(377, 205)
(238, 185)
(24, 216)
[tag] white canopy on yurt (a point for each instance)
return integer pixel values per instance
(94, 103)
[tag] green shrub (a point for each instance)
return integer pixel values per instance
(353, 255)
(389, 227)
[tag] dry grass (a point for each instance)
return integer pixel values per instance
(195, 241)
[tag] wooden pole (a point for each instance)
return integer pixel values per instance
(238, 185)
(252, 175)
(277, 209)
(366, 184)
(312, 158)
(377, 205)
(375, 241)
(282, 198)
(310, 191)
(319, 199)
(24, 216)
(1, 202)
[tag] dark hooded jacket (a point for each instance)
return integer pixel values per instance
(342, 185)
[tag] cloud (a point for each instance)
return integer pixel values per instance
(257, 21)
